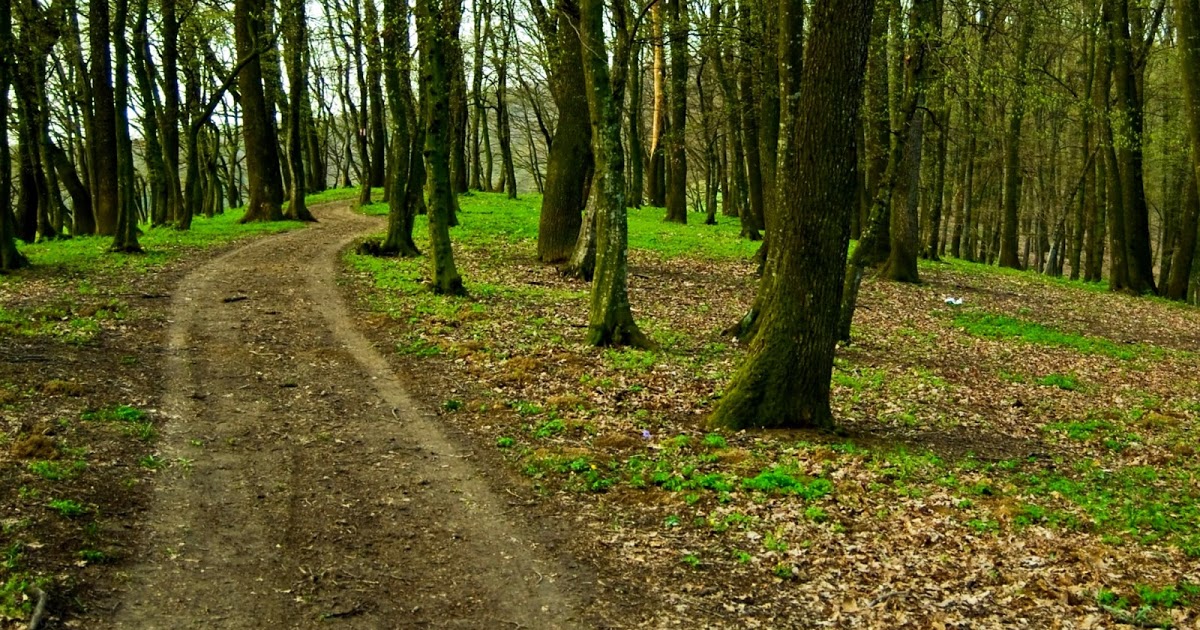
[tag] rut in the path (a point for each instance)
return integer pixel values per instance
(306, 490)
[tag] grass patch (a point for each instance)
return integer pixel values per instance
(1002, 327)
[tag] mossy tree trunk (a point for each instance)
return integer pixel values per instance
(784, 381)
(436, 26)
(923, 27)
(405, 154)
(676, 138)
(126, 237)
(611, 321)
(570, 161)
(295, 32)
(1187, 21)
(10, 257)
(258, 130)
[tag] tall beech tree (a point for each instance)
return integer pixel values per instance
(265, 181)
(406, 149)
(569, 165)
(437, 24)
(676, 138)
(10, 257)
(785, 379)
(1187, 21)
(295, 34)
(611, 321)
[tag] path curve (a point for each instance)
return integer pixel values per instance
(304, 487)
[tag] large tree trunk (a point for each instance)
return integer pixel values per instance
(436, 26)
(676, 139)
(10, 257)
(1012, 145)
(611, 321)
(126, 237)
(104, 136)
(785, 378)
(570, 162)
(405, 153)
(295, 32)
(1187, 20)
(258, 129)
(901, 265)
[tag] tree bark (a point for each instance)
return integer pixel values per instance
(436, 26)
(676, 138)
(295, 32)
(784, 381)
(10, 258)
(611, 320)
(258, 130)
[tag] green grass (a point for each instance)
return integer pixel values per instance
(1068, 382)
(1003, 327)
(89, 254)
(488, 217)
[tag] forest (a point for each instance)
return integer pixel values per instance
(599, 313)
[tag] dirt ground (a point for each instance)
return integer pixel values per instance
(303, 487)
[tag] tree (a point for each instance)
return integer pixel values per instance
(901, 265)
(611, 321)
(104, 134)
(1187, 20)
(405, 158)
(10, 257)
(126, 237)
(785, 378)
(676, 138)
(436, 26)
(258, 130)
(569, 166)
(295, 32)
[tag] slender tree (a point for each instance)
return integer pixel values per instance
(10, 257)
(676, 138)
(611, 321)
(295, 33)
(436, 26)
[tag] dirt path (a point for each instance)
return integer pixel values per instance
(304, 488)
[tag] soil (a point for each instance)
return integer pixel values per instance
(305, 486)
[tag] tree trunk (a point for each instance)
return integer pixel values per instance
(570, 161)
(258, 129)
(1135, 213)
(1010, 233)
(656, 178)
(295, 32)
(104, 135)
(676, 139)
(405, 156)
(901, 265)
(10, 257)
(784, 381)
(375, 95)
(1187, 20)
(126, 237)
(436, 26)
(611, 321)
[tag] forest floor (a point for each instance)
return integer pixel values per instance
(1026, 459)
(224, 437)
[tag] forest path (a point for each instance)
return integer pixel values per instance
(304, 488)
